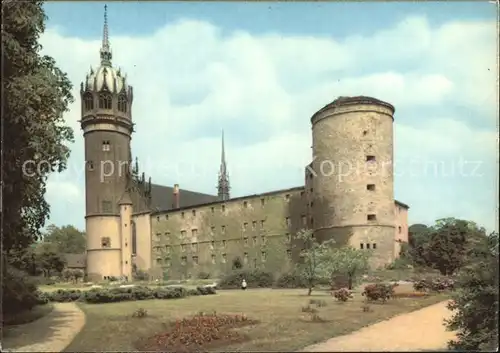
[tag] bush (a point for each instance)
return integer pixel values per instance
(318, 302)
(290, 280)
(19, 291)
(378, 291)
(438, 284)
(254, 279)
(342, 294)
(140, 313)
(203, 275)
(140, 275)
(113, 295)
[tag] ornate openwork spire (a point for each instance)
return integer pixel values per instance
(105, 48)
(223, 185)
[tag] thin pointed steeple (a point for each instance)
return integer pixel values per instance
(105, 47)
(223, 185)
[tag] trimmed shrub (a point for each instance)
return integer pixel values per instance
(378, 291)
(433, 284)
(343, 294)
(290, 280)
(140, 275)
(254, 279)
(203, 275)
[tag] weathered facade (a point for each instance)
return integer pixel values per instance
(133, 224)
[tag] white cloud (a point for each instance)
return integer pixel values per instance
(190, 81)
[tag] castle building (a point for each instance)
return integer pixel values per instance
(133, 224)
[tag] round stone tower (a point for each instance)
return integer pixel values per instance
(107, 128)
(353, 183)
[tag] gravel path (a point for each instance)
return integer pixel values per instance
(52, 333)
(419, 330)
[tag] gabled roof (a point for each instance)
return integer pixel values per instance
(75, 260)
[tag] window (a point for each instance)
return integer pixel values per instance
(254, 225)
(223, 229)
(370, 158)
(304, 220)
(370, 187)
(223, 243)
(289, 253)
(254, 240)
(194, 213)
(105, 101)
(158, 236)
(183, 260)
(106, 146)
(183, 233)
(194, 247)
(368, 246)
(365, 132)
(288, 237)
(311, 190)
(262, 202)
(212, 244)
(213, 258)
(361, 245)
(166, 217)
(263, 239)
(122, 103)
(312, 221)
(224, 258)
(287, 221)
(168, 262)
(371, 217)
(262, 223)
(90, 165)
(183, 247)
(212, 230)
(194, 232)
(399, 229)
(167, 249)
(182, 214)
(374, 245)
(105, 242)
(134, 239)
(212, 209)
(158, 260)
(157, 218)
(245, 240)
(312, 204)
(302, 193)
(245, 204)
(223, 207)
(263, 256)
(287, 197)
(106, 206)
(195, 260)
(88, 102)
(245, 226)
(167, 234)
(245, 257)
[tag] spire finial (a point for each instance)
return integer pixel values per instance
(105, 48)
(223, 186)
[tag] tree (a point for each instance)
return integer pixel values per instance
(349, 262)
(314, 256)
(35, 136)
(67, 239)
(418, 238)
(475, 302)
(451, 242)
(48, 259)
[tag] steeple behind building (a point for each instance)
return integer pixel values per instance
(105, 48)
(223, 185)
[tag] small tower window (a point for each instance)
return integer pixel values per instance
(105, 242)
(105, 101)
(90, 166)
(88, 102)
(122, 103)
(106, 146)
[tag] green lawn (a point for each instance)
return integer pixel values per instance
(282, 324)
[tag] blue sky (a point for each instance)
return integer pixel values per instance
(260, 70)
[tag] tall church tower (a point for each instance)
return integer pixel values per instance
(223, 185)
(107, 129)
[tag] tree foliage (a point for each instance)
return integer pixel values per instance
(48, 259)
(314, 256)
(67, 239)
(475, 303)
(36, 94)
(349, 262)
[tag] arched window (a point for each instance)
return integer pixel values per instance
(134, 239)
(122, 103)
(88, 101)
(105, 101)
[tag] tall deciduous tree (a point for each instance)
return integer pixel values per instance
(36, 94)
(67, 239)
(48, 259)
(348, 262)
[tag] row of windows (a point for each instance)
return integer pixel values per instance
(223, 243)
(367, 246)
(223, 259)
(105, 102)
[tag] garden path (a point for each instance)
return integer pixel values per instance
(416, 331)
(51, 333)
